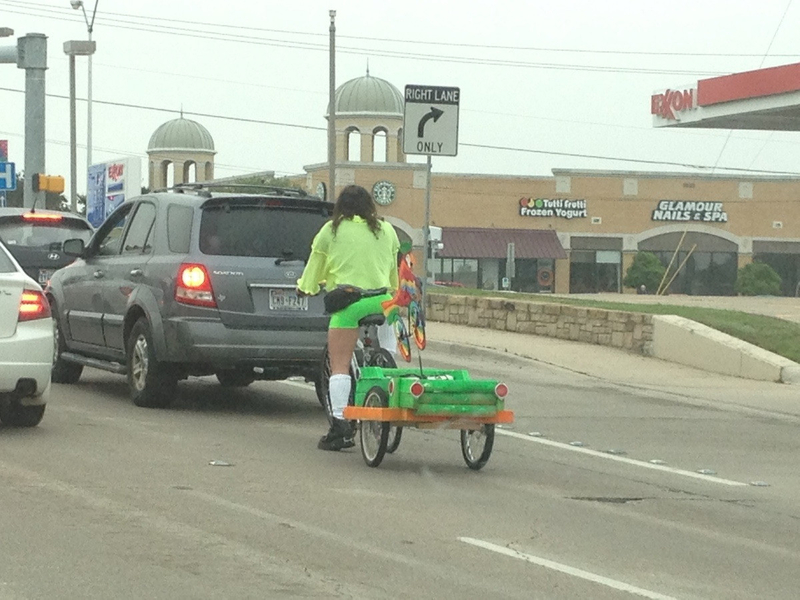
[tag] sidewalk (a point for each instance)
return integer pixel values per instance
(616, 366)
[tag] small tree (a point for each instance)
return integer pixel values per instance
(758, 279)
(646, 270)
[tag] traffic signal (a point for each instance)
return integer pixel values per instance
(48, 183)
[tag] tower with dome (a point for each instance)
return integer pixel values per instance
(181, 150)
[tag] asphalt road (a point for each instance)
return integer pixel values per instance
(107, 500)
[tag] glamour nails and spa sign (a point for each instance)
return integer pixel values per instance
(673, 210)
(552, 207)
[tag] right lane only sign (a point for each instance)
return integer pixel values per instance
(430, 122)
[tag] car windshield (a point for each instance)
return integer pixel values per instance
(41, 234)
(260, 231)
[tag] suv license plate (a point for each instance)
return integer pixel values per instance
(45, 275)
(286, 300)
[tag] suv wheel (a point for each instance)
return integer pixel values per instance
(17, 415)
(235, 378)
(152, 384)
(63, 371)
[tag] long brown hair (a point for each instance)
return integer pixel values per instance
(354, 201)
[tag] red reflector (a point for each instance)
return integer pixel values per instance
(501, 390)
(33, 305)
(194, 286)
(34, 216)
(416, 389)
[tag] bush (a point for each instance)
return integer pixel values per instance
(758, 279)
(646, 270)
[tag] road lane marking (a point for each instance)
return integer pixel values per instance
(622, 459)
(566, 569)
(301, 384)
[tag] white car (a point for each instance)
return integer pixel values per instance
(27, 344)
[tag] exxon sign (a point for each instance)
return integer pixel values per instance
(671, 103)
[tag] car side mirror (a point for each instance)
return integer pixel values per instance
(74, 247)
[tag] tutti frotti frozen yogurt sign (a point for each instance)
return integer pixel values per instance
(552, 207)
(683, 210)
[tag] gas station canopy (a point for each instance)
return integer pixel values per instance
(765, 99)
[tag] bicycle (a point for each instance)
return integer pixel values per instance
(367, 353)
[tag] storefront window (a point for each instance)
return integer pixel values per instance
(595, 271)
(701, 273)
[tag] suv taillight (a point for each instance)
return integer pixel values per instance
(194, 286)
(33, 305)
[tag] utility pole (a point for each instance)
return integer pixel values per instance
(32, 56)
(331, 196)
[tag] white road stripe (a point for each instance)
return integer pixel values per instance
(302, 384)
(566, 569)
(622, 459)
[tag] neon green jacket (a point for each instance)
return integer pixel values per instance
(354, 256)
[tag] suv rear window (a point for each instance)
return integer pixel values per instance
(19, 232)
(260, 231)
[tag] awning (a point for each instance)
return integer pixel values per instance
(765, 99)
(474, 242)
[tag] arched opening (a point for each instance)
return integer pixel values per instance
(380, 150)
(353, 144)
(162, 174)
(189, 171)
(169, 174)
(706, 264)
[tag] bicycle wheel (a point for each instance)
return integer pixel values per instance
(374, 434)
(322, 384)
(322, 381)
(383, 358)
(476, 445)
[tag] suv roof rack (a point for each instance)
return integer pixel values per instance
(202, 188)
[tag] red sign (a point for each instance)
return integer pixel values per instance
(115, 171)
(3, 150)
(669, 103)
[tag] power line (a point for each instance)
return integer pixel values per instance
(210, 35)
(417, 42)
(464, 144)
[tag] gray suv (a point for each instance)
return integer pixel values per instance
(192, 283)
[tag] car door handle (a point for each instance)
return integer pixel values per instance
(136, 272)
(98, 274)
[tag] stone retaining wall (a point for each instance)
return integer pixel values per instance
(631, 331)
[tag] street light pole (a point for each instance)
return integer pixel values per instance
(74, 48)
(76, 4)
(332, 110)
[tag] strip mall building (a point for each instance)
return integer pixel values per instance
(578, 231)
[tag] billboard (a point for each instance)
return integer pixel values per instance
(109, 185)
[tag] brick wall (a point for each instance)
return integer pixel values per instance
(631, 331)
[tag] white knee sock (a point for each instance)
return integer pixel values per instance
(339, 390)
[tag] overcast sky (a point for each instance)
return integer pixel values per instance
(551, 83)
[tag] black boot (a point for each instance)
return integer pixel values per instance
(339, 436)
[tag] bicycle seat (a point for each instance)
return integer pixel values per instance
(376, 319)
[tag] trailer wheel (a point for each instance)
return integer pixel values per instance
(476, 445)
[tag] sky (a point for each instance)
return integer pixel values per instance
(544, 85)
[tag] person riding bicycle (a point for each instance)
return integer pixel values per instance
(355, 249)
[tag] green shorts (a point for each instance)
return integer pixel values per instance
(348, 318)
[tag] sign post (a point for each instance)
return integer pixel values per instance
(430, 126)
(3, 159)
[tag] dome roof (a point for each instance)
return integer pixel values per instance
(369, 95)
(181, 134)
